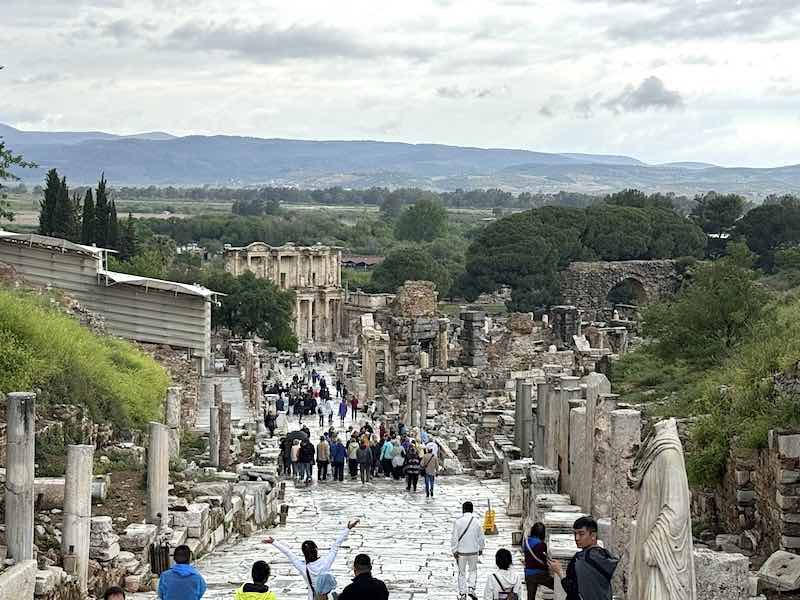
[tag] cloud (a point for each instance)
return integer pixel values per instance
(16, 114)
(546, 111)
(454, 92)
(711, 19)
(651, 93)
(266, 43)
(49, 77)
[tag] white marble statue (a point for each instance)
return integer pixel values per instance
(662, 564)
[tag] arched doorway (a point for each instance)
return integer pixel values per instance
(629, 291)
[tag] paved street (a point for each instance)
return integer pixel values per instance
(406, 534)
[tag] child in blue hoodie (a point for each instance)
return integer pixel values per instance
(182, 581)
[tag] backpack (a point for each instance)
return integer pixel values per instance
(505, 594)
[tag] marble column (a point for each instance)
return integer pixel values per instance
(297, 320)
(409, 401)
(172, 419)
(442, 345)
(545, 397)
(213, 435)
(20, 440)
(78, 508)
(423, 406)
(517, 472)
(225, 435)
(602, 453)
(596, 384)
(415, 393)
(519, 431)
(157, 474)
(527, 419)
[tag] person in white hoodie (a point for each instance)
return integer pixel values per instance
(466, 544)
(501, 583)
(313, 566)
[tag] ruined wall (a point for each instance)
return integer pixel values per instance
(587, 284)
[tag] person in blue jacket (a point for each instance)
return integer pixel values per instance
(338, 456)
(182, 581)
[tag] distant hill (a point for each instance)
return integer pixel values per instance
(157, 158)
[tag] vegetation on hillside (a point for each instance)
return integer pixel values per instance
(44, 349)
(8, 160)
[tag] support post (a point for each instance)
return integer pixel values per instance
(519, 430)
(172, 418)
(78, 508)
(20, 436)
(527, 419)
(213, 435)
(157, 473)
(225, 435)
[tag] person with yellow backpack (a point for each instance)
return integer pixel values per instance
(258, 590)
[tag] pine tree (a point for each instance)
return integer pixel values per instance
(65, 214)
(113, 227)
(87, 221)
(128, 244)
(101, 210)
(49, 202)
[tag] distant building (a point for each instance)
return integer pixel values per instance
(313, 272)
(362, 263)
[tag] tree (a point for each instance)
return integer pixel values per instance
(412, 263)
(64, 220)
(8, 160)
(87, 219)
(714, 311)
(423, 222)
(113, 227)
(716, 213)
(769, 227)
(128, 243)
(253, 306)
(391, 207)
(101, 213)
(49, 203)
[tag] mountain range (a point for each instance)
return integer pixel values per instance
(157, 158)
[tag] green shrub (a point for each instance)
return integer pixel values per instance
(42, 348)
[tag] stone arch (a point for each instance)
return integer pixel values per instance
(629, 290)
(588, 284)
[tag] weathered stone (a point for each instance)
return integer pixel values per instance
(789, 445)
(721, 576)
(138, 536)
(19, 474)
(781, 572)
(18, 582)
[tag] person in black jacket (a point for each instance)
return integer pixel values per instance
(306, 459)
(589, 572)
(364, 586)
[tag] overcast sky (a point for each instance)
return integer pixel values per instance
(662, 80)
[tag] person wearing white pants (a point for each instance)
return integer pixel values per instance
(466, 544)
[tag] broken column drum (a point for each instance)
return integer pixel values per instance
(213, 435)
(20, 437)
(157, 474)
(225, 435)
(78, 508)
(172, 418)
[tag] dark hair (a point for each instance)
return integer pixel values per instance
(538, 531)
(112, 591)
(362, 563)
(309, 550)
(467, 507)
(182, 555)
(587, 523)
(502, 559)
(260, 572)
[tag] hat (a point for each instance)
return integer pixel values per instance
(326, 583)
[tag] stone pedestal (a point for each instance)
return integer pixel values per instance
(20, 436)
(517, 472)
(78, 508)
(225, 435)
(213, 435)
(424, 360)
(602, 453)
(172, 418)
(157, 474)
(595, 384)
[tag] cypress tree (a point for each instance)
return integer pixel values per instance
(101, 209)
(113, 227)
(128, 243)
(49, 202)
(87, 221)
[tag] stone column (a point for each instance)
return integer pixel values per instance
(297, 329)
(258, 395)
(519, 430)
(442, 345)
(527, 419)
(157, 474)
(368, 370)
(172, 418)
(415, 414)
(20, 440)
(517, 472)
(423, 406)
(409, 401)
(596, 384)
(602, 453)
(213, 435)
(78, 508)
(424, 360)
(225, 435)
(310, 320)
(545, 397)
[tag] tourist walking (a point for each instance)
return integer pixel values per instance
(467, 543)
(311, 566)
(589, 572)
(258, 590)
(354, 407)
(503, 582)
(338, 456)
(364, 457)
(352, 456)
(323, 458)
(181, 581)
(398, 458)
(364, 586)
(535, 551)
(342, 410)
(386, 457)
(411, 468)
(306, 460)
(295, 456)
(430, 467)
(330, 408)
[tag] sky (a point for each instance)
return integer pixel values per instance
(661, 80)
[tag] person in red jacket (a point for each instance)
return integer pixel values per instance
(536, 570)
(354, 406)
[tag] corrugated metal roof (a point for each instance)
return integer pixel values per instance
(160, 284)
(45, 241)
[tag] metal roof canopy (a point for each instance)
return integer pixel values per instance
(159, 284)
(54, 243)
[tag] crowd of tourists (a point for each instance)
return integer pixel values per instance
(587, 577)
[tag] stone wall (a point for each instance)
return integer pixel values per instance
(415, 299)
